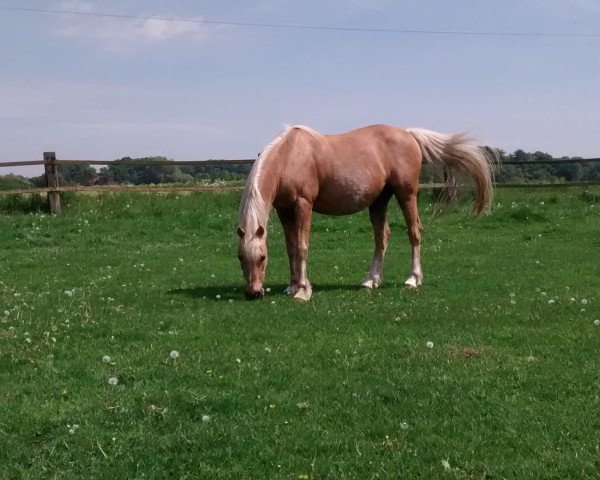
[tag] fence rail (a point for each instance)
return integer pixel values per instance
(53, 190)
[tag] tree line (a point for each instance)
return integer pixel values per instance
(153, 170)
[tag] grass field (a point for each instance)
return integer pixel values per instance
(341, 387)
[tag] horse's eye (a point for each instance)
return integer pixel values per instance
(263, 258)
(240, 257)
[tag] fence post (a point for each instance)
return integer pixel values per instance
(52, 181)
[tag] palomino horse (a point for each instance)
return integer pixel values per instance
(302, 170)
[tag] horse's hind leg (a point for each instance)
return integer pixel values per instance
(381, 232)
(408, 204)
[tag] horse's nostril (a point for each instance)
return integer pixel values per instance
(253, 295)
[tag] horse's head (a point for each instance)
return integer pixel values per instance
(252, 252)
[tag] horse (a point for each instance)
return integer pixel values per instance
(301, 171)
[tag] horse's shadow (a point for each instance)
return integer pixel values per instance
(236, 291)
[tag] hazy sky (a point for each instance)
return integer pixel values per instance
(104, 87)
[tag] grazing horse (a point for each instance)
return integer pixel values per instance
(302, 171)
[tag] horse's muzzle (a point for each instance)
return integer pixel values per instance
(255, 294)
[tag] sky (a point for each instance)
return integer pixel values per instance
(119, 79)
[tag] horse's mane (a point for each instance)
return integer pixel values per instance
(254, 211)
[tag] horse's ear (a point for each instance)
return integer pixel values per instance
(240, 232)
(260, 231)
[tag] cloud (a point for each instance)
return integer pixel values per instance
(124, 34)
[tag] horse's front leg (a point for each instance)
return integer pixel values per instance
(288, 221)
(303, 216)
(381, 232)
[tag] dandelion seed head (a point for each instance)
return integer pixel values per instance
(429, 344)
(174, 354)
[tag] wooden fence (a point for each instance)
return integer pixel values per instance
(53, 189)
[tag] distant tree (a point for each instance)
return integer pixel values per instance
(76, 174)
(14, 182)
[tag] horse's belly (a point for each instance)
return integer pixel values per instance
(344, 198)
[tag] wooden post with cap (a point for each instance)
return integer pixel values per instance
(52, 181)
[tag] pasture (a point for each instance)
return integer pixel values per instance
(342, 387)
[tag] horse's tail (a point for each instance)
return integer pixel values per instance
(456, 151)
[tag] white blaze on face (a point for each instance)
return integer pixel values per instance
(252, 253)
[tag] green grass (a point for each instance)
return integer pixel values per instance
(341, 387)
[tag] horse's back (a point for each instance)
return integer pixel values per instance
(345, 173)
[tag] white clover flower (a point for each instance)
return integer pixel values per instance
(113, 381)
(106, 359)
(174, 354)
(267, 349)
(583, 301)
(429, 344)
(596, 322)
(404, 426)
(206, 418)
(238, 360)
(551, 301)
(218, 297)
(268, 289)
(6, 313)
(69, 293)
(71, 431)
(446, 465)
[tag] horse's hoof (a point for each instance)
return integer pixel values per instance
(303, 295)
(290, 290)
(371, 283)
(412, 283)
